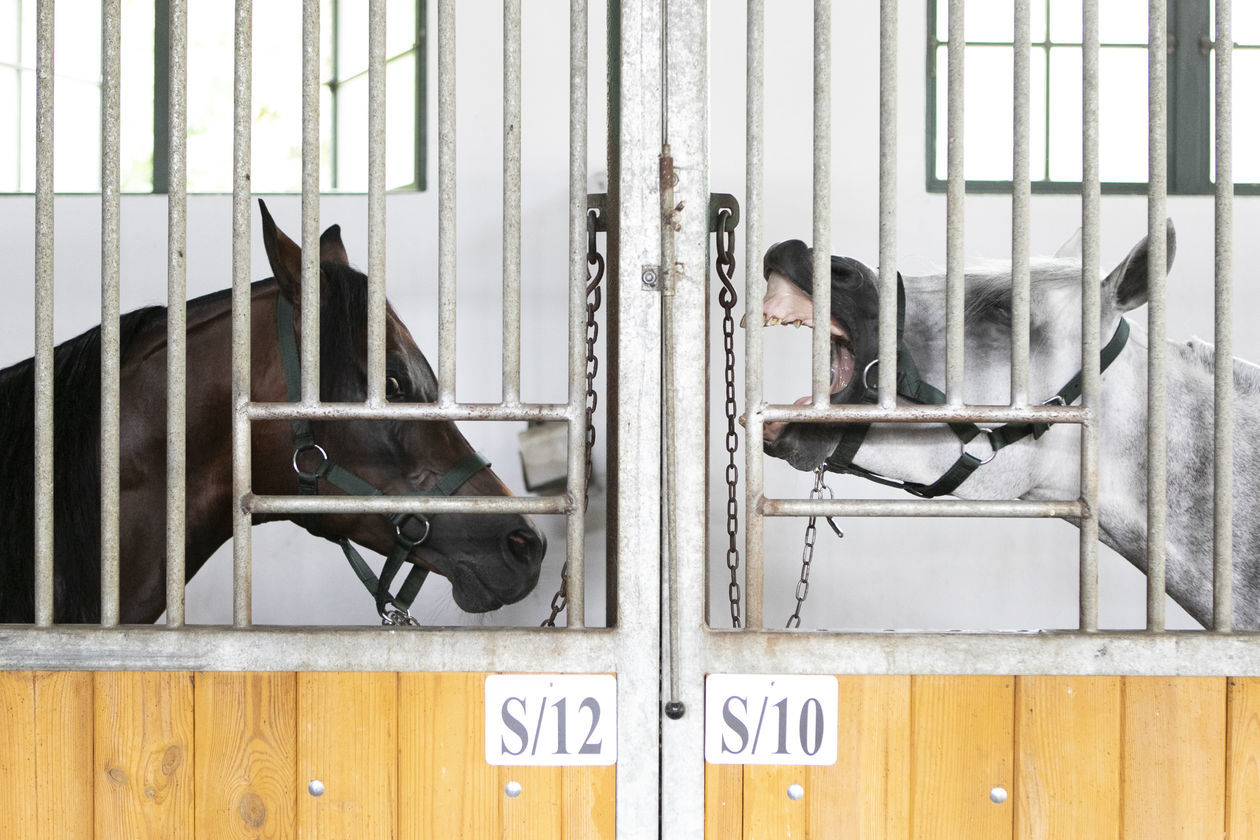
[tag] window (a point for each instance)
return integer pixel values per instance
(277, 97)
(1055, 102)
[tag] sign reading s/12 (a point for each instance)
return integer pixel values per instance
(770, 719)
(551, 719)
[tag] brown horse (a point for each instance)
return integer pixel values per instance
(491, 559)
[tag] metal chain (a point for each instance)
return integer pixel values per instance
(727, 297)
(594, 297)
(807, 554)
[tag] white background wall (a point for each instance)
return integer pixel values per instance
(886, 573)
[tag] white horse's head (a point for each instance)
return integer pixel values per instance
(1046, 467)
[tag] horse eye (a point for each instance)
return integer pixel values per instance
(393, 389)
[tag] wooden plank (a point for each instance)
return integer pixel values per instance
(962, 746)
(63, 756)
(768, 811)
(589, 796)
(144, 763)
(347, 739)
(446, 787)
(866, 790)
(1174, 757)
(1242, 792)
(723, 801)
(1068, 751)
(536, 814)
(18, 800)
(246, 761)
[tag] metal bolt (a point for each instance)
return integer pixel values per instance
(512, 789)
(674, 709)
(651, 276)
(316, 787)
(796, 793)
(998, 795)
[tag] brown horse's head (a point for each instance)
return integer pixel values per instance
(490, 559)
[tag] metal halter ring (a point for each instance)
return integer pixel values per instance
(988, 433)
(319, 469)
(866, 374)
(398, 529)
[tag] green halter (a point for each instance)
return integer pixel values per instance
(412, 528)
(910, 386)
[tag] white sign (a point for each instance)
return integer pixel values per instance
(771, 719)
(551, 719)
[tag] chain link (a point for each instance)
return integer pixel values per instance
(727, 298)
(807, 553)
(594, 297)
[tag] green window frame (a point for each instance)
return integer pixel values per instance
(1190, 99)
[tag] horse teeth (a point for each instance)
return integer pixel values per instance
(743, 321)
(771, 320)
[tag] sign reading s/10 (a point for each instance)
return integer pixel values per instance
(551, 719)
(770, 719)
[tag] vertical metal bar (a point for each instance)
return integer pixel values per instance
(576, 535)
(242, 555)
(1090, 313)
(1223, 469)
(111, 61)
(512, 197)
(1157, 257)
(955, 281)
(888, 201)
(446, 201)
(376, 203)
(754, 295)
(1021, 191)
(44, 542)
(822, 204)
(176, 316)
(310, 201)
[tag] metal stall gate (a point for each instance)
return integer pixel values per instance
(1050, 734)
(182, 731)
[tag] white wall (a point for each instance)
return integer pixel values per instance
(886, 573)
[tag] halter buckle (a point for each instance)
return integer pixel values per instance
(395, 617)
(320, 467)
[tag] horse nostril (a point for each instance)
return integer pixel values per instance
(526, 546)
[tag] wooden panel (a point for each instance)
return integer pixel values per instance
(246, 762)
(768, 812)
(1067, 757)
(536, 814)
(865, 792)
(63, 757)
(447, 789)
(590, 802)
(723, 801)
(144, 764)
(1174, 757)
(962, 731)
(1242, 792)
(17, 753)
(348, 739)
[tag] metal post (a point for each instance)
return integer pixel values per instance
(512, 194)
(1223, 470)
(887, 202)
(754, 296)
(822, 205)
(310, 201)
(1156, 318)
(376, 305)
(176, 315)
(446, 201)
(1021, 190)
(1090, 306)
(111, 39)
(955, 280)
(576, 533)
(242, 542)
(44, 541)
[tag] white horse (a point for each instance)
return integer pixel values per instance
(1048, 466)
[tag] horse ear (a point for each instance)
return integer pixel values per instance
(1071, 248)
(1126, 287)
(284, 255)
(330, 248)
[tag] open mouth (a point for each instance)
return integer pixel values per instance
(786, 304)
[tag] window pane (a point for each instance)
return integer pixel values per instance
(989, 120)
(10, 37)
(352, 135)
(276, 162)
(991, 20)
(400, 33)
(352, 45)
(9, 131)
(210, 81)
(77, 125)
(77, 41)
(1123, 144)
(400, 122)
(1246, 22)
(1246, 119)
(136, 97)
(27, 139)
(1119, 22)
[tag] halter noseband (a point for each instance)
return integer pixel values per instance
(412, 529)
(911, 387)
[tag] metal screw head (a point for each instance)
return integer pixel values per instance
(674, 709)
(998, 795)
(795, 792)
(651, 276)
(316, 787)
(512, 789)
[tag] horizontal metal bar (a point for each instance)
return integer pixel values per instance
(65, 648)
(1007, 509)
(926, 414)
(418, 411)
(1184, 653)
(408, 504)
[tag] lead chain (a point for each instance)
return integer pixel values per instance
(594, 297)
(807, 554)
(727, 297)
